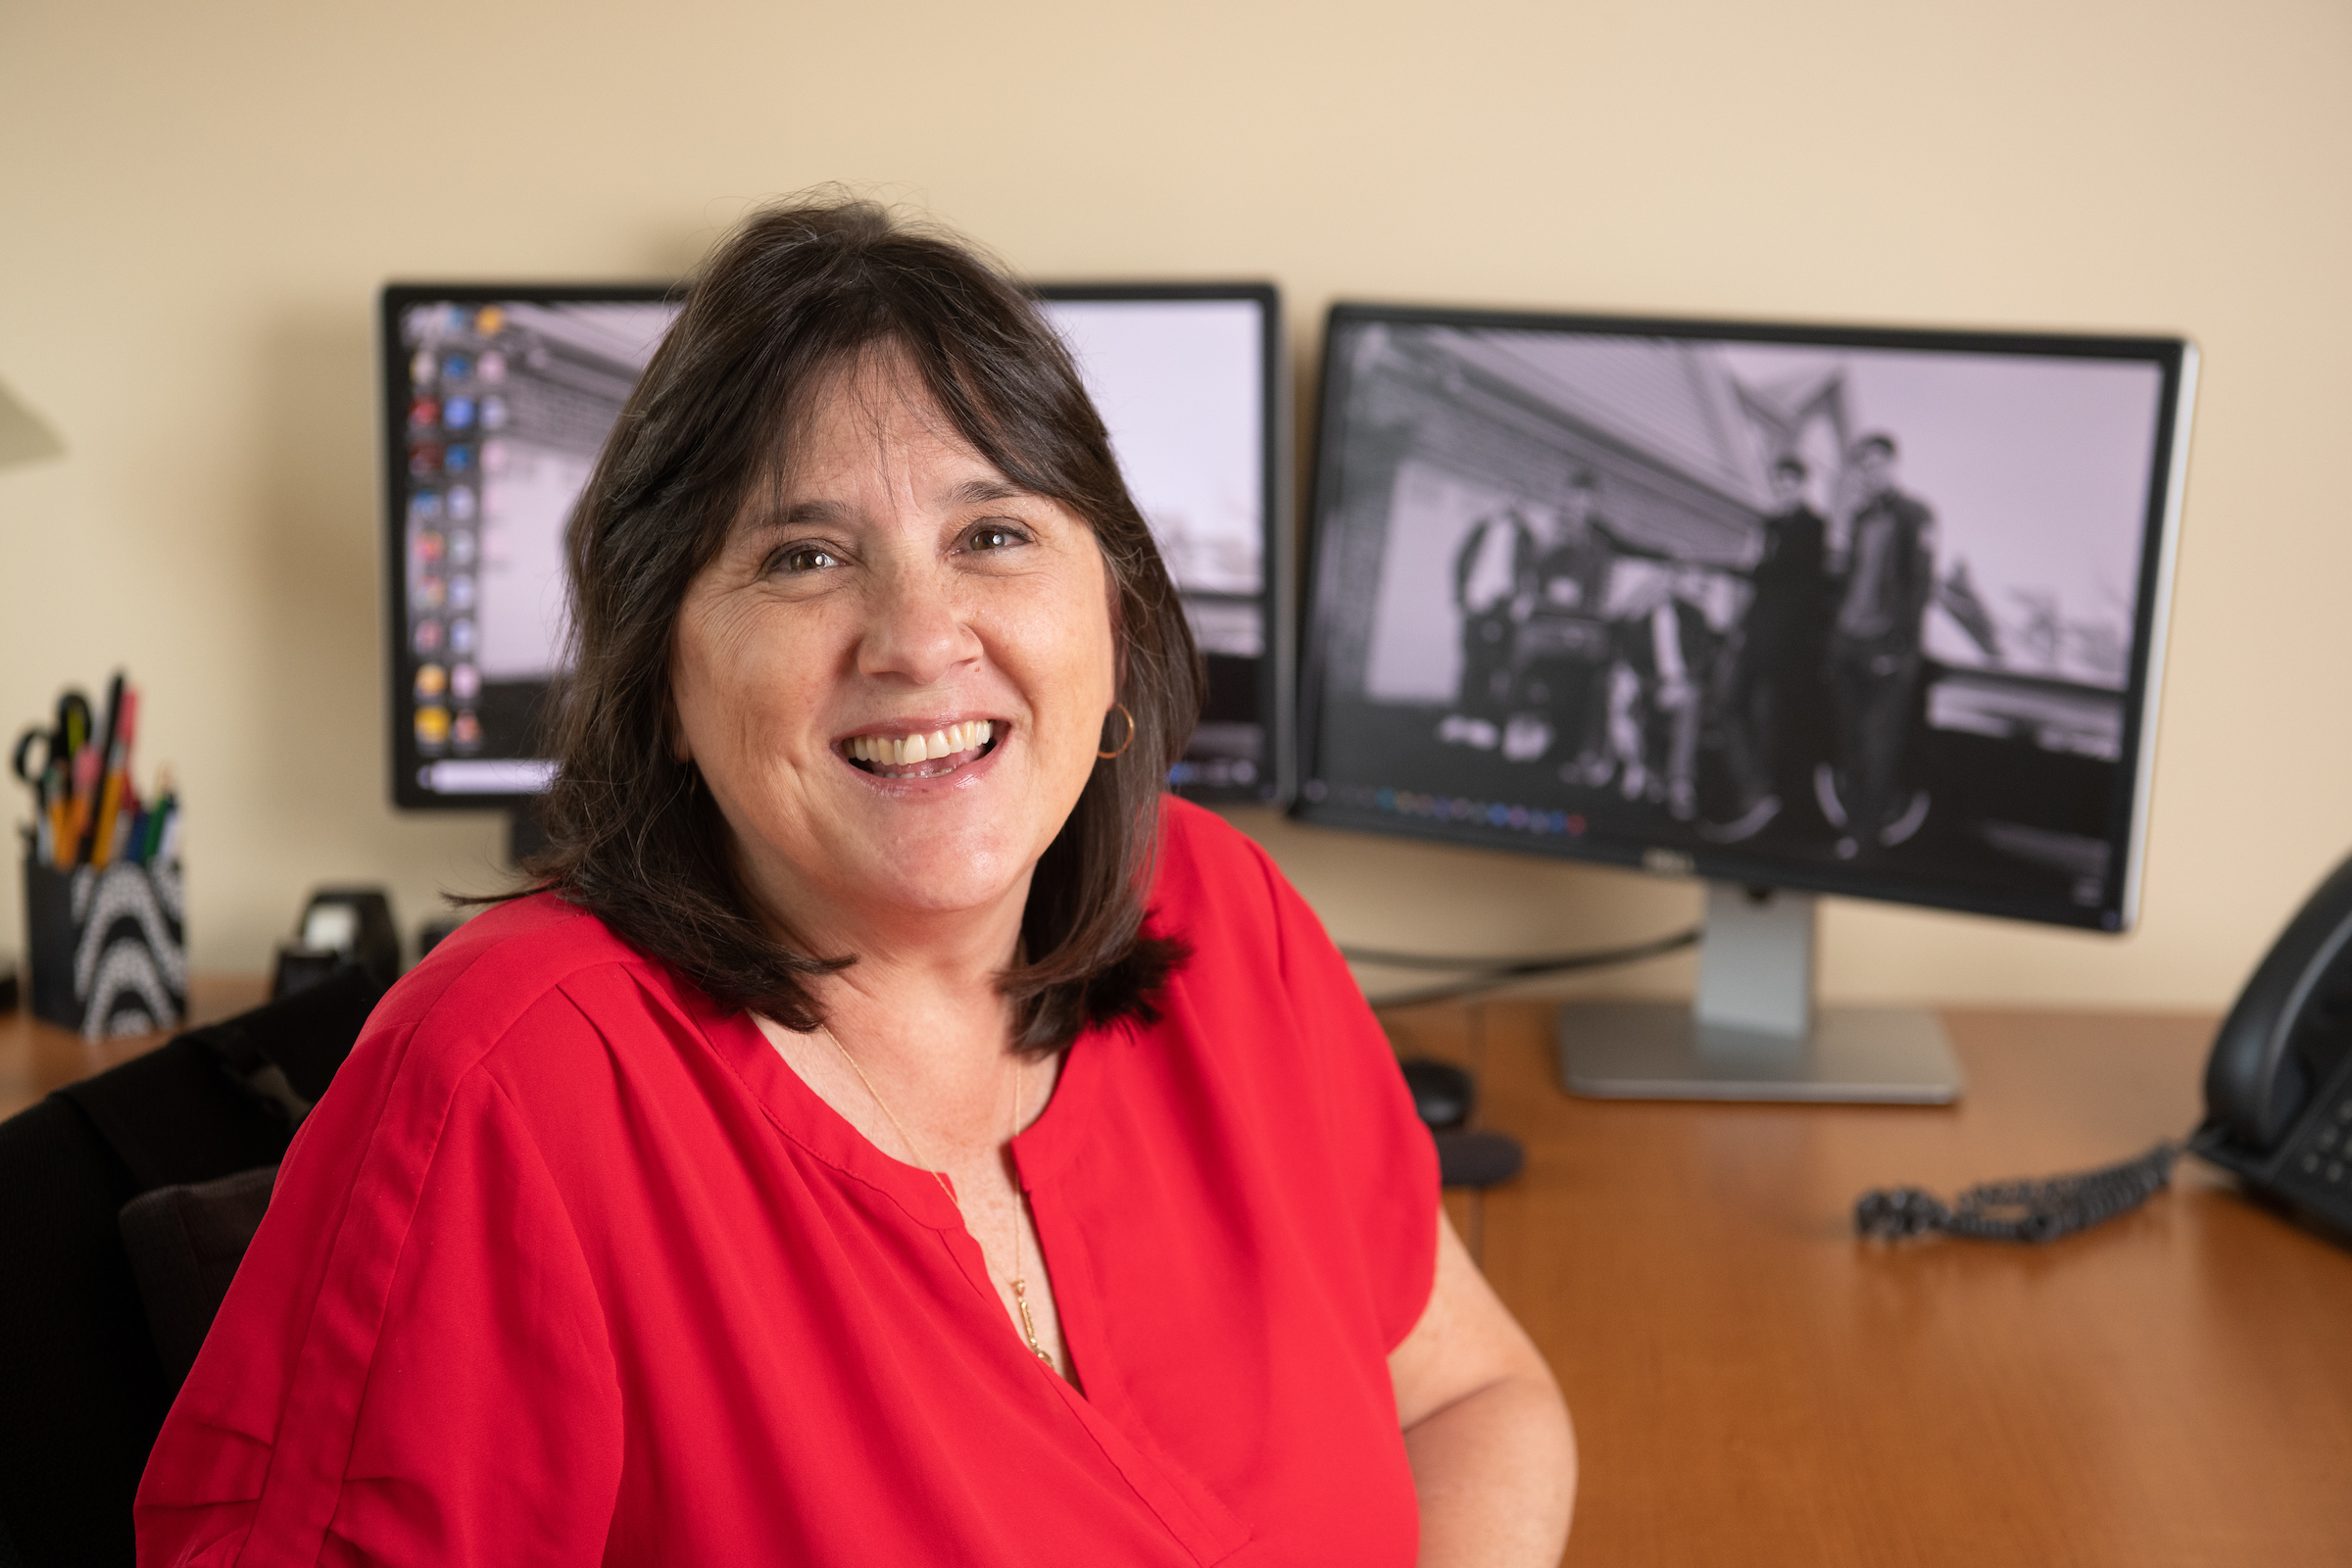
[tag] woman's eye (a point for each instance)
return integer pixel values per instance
(991, 536)
(802, 559)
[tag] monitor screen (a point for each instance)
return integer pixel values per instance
(1862, 611)
(1187, 377)
(498, 399)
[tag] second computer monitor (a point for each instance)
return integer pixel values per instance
(499, 397)
(1852, 610)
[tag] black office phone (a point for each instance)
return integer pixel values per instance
(2278, 1107)
(2278, 1087)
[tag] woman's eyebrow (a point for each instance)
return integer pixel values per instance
(798, 515)
(980, 492)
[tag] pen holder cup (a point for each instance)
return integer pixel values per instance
(109, 953)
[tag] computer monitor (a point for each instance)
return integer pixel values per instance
(1189, 379)
(1794, 610)
(498, 398)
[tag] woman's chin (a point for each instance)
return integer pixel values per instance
(906, 881)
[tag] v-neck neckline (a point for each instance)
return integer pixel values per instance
(1039, 1151)
(1190, 1512)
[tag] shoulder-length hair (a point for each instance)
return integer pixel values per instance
(796, 296)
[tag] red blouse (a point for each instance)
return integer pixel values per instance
(569, 1267)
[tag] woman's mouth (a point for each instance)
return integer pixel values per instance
(928, 754)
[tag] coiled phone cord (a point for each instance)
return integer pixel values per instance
(2037, 1210)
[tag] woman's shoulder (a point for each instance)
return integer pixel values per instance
(1197, 845)
(503, 961)
(1219, 889)
(535, 972)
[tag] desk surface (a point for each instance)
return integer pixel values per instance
(1752, 1385)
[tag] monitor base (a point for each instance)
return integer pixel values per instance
(1660, 1051)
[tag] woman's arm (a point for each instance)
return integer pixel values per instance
(1485, 1428)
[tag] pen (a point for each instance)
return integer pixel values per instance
(123, 714)
(85, 847)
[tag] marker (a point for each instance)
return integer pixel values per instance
(166, 801)
(53, 819)
(80, 807)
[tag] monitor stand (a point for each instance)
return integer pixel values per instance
(1753, 1033)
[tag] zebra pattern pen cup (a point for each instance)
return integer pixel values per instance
(108, 946)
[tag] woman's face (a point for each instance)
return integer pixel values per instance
(896, 587)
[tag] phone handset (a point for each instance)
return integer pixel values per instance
(2289, 1029)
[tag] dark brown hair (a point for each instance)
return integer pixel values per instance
(796, 296)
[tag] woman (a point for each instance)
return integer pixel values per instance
(894, 1133)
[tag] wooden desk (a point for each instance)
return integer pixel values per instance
(37, 1058)
(1753, 1385)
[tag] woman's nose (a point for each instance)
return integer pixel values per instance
(917, 630)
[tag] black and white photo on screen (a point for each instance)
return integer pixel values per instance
(1871, 608)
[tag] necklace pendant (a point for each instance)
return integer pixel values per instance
(1020, 1299)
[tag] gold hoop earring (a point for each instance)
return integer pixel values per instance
(1122, 709)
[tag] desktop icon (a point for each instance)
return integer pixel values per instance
(461, 591)
(432, 728)
(458, 460)
(457, 367)
(461, 636)
(493, 368)
(461, 505)
(431, 681)
(494, 457)
(466, 683)
(428, 636)
(425, 507)
(421, 368)
(428, 547)
(494, 408)
(489, 320)
(431, 591)
(467, 731)
(460, 547)
(424, 461)
(423, 414)
(457, 413)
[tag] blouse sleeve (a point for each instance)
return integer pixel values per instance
(1383, 1155)
(411, 1366)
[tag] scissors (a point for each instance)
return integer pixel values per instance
(58, 747)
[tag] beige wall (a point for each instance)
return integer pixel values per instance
(197, 203)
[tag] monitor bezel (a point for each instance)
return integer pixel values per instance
(2118, 909)
(392, 450)
(1278, 594)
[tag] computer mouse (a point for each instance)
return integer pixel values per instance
(1443, 1093)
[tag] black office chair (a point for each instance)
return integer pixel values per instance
(81, 1379)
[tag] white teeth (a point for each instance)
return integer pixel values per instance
(884, 752)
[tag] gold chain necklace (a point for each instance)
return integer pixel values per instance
(1021, 1283)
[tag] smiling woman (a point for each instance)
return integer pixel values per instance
(887, 1129)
